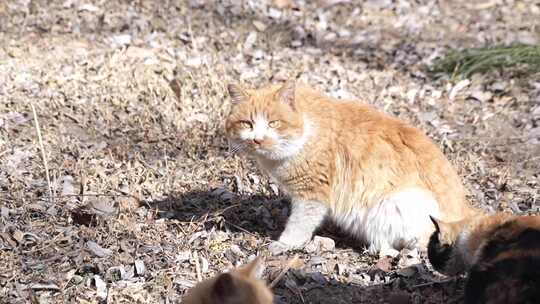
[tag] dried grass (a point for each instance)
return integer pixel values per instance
(43, 155)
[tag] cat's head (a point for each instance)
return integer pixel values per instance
(266, 122)
(241, 285)
(444, 249)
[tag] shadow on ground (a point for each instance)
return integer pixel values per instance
(254, 214)
(223, 209)
(264, 217)
(300, 287)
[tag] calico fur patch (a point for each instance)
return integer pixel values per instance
(500, 252)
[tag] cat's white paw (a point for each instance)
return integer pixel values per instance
(277, 247)
(387, 251)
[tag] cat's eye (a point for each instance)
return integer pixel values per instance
(244, 124)
(274, 124)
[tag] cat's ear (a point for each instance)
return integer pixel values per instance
(435, 223)
(253, 269)
(443, 228)
(224, 288)
(287, 92)
(237, 93)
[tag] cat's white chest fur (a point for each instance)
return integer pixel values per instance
(398, 220)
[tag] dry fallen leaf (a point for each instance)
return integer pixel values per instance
(131, 100)
(97, 250)
(281, 4)
(101, 287)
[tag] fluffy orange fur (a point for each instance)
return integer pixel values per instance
(345, 159)
(237, 286)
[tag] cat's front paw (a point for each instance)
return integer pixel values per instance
(277, 247)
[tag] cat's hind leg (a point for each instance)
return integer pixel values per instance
(306, 217)
(400, 220)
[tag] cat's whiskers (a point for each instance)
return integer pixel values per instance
(236, 147)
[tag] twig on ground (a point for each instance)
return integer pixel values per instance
(197, 266)
(433, 283)
(42, 148)
(284, 271)
(240, 228)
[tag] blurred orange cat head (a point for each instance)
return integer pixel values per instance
(238, 286)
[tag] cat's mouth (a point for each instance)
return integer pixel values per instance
(263, 150)
(250, 147)
(269, 152)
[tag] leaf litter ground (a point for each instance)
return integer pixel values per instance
(130, 98)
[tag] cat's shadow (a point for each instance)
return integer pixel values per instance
(257, 214)
(222, 209)
(266, 216)
(299, 287)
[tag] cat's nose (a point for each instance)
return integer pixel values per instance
(258, 141)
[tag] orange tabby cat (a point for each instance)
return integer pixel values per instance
(377, 177)
(239, 286)
(500, 252)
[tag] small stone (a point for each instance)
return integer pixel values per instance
(311, 247)
(536, 112)
(391, 252)
(140, 268)
(341, 269)
(97, 250)
(88, 7)
(481, 95)
(458, 88)
(237, 251)
(194, 62)
(281, 4)
(4, 212)
(275, 188)
(122, 39)
(274, 13)
(411, 95)
(254, 179)
(324, 244)
(101, 287)
(317, 260)
(101, 205)
(261, 27)
(498, 86)
(250, 41)
(67, 186)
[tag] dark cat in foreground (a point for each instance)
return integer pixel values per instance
(500, 252)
